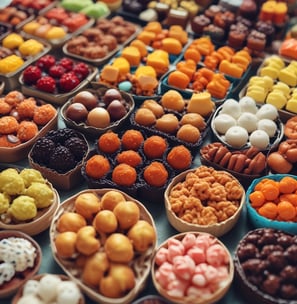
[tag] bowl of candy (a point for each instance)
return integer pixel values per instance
(49, 287)
(181, 277)
(32, 212)
(20, 260)
(216, 204)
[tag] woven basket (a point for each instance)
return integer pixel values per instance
(8, 289)
(141, 264)
(180, 225)
(217, 295)
(42, 220)
(38, 277)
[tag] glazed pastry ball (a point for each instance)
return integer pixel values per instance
(173, 100)
(145, 117)
(188, 133)
(168, 123)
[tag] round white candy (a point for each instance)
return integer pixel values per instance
(68, 293)
(48, 286)
(236, 136)
(248, 121)
(29, 299)
(248, 104)
(223, 122)
(267, 111)
(267, 125)
(231, 107)
(31, 287)
(259, 139)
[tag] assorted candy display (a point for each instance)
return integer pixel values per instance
(149, 111)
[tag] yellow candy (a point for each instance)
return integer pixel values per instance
(10, 64)
(31, 47)
(12, 41)
(23, 208)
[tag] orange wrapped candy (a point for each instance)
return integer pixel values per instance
(109, 142)
(179, 158)
(124, 175)
(155, 174)
(230, 68)
(97, 166)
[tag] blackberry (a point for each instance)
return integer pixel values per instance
(77, 146)
(62, 160)
(61, 135)
(42, 150)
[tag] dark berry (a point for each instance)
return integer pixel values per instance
(69, 81)
(46, 84)
(77, 146)
(81, 70)
(31, 74)
(62, 160)
(45, 62)
(42, 150)
(66, 63)
(56, 71)
(61, 135)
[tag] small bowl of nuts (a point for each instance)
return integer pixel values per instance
(204, 199)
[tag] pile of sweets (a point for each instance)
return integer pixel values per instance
(50, 289)
(16, 255)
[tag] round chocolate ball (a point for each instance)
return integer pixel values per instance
(88, 99)
(116, 110)
(110, 95)
(77, 112)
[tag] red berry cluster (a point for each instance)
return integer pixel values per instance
(55, 76)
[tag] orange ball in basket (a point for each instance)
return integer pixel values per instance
(155, 174)
(97, 166)
(124, 175)
(179, 158)
(109, 142)
(155, 146)
(132, 139)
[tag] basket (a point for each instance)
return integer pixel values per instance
(217, 294)
(9, 288)
(38, 277)
(217, 229)
(259, 221)
(141, 264)
(40, 223)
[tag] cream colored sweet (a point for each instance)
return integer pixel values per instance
(248, 121)
(223, 122)
(259, 139)
(231, 107)
(237, 136)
